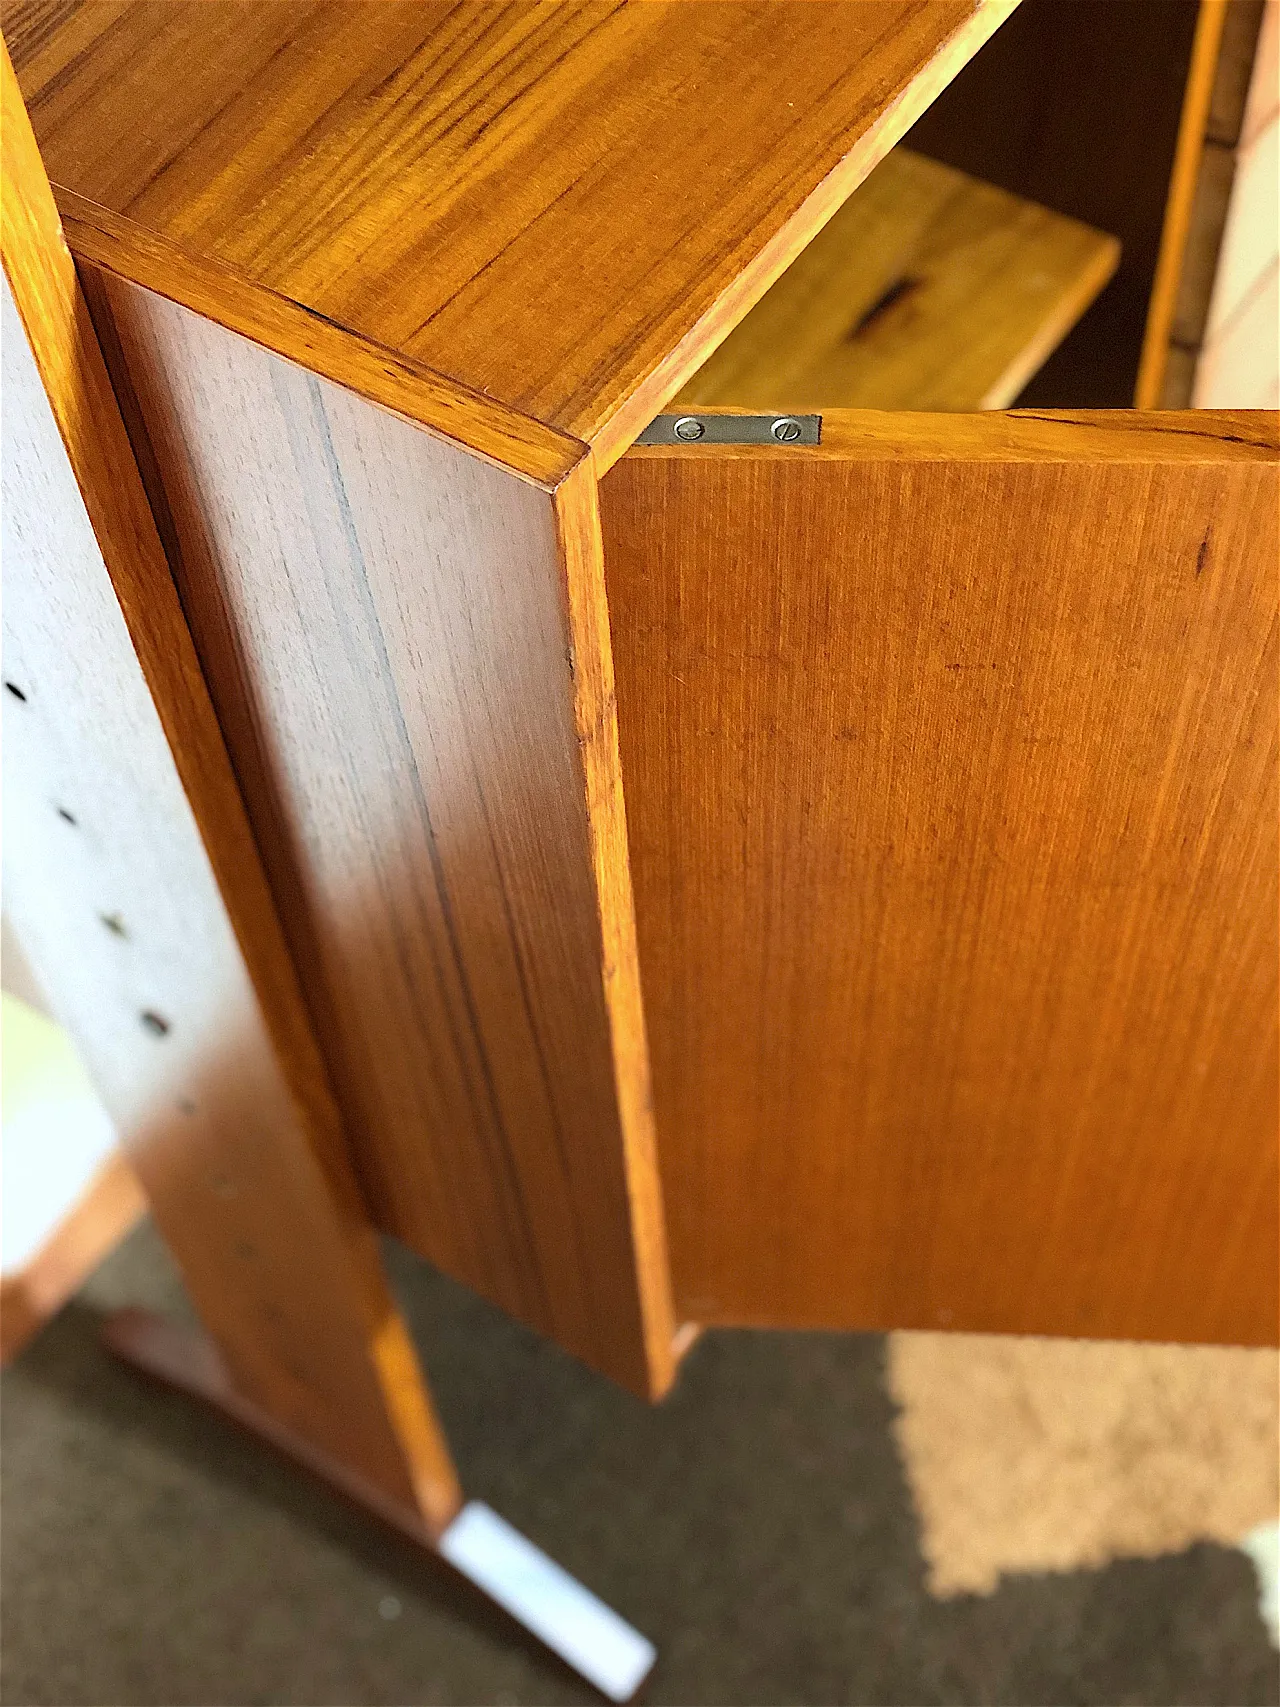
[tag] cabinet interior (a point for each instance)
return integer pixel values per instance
(1004, 252)
(929, 289)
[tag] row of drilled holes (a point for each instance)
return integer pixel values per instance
(153, 1022)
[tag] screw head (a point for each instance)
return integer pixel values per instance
(786, 429)
(688, 427)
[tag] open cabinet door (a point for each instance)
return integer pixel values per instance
(950, 756)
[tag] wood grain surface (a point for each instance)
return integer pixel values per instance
(133, 884)
(408, 651)
(927, 290)
(559, 206)
(950, 749)
(488, 429)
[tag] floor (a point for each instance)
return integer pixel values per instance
(1031, 1455)
(758, 1527)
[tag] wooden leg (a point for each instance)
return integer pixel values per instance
(507, 1569)
(187, 1360)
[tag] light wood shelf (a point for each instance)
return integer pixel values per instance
(929, 289)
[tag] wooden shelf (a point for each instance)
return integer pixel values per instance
(928, 290)
(551, 211)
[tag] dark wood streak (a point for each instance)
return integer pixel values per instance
(29, 24)
(421, 805)
(1153, 421)
(22, 48)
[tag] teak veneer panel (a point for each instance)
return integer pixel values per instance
(559, 207)
(927, 290)
(409, 655)
(950, 749)
(135, 889)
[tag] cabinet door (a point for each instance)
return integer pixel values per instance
(950, 760)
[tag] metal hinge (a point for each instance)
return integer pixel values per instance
(712, 429)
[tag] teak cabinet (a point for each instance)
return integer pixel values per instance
(804, 884)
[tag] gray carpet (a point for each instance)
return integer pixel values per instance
(756, 1526)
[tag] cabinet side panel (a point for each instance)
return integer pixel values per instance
(383, 620)
(950, 750)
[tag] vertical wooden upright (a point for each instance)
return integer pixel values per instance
(135, 885)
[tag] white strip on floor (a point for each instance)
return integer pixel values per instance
(594, 1640)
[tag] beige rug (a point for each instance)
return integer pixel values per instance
(1041, 1455)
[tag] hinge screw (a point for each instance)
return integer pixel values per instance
(786, 430)
(688, 427)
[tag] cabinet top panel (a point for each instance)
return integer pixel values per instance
(559, 207)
